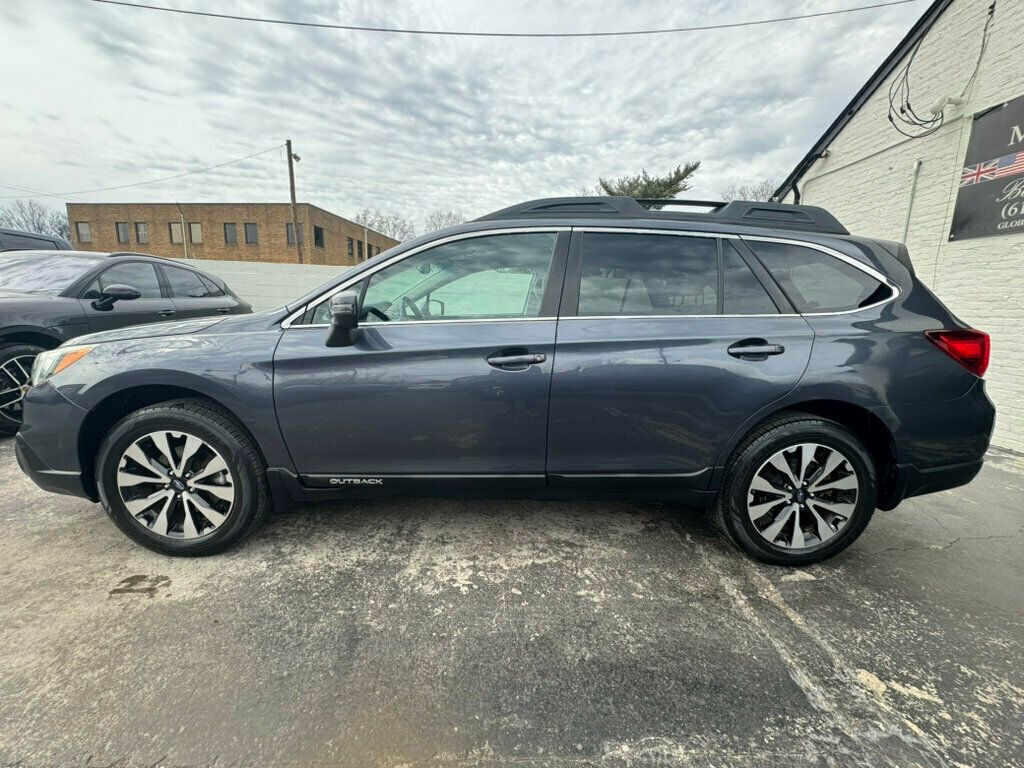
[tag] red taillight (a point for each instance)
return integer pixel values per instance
(969, 348)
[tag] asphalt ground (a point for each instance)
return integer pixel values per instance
(436, 633)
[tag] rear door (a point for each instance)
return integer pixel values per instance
(447, 381)
(667, 342)
(192, 295)
(151, 307)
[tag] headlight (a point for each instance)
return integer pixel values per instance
(51, 363)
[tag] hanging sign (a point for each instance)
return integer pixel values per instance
(990, 200)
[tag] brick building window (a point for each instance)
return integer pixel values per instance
(318, 237)
(230, 233)
(289, 231)
(359, 249)
(141, 232)
(174, 229)
(195, 232)
(252, 233)
(351, 248)
(83, 231)
(122, 231)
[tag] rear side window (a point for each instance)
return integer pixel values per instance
(743, 294)
(185, 284)
(633, 274)
(817, 282)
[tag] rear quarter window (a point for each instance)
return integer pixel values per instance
(815, 281)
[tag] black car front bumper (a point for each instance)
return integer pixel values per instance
(68, 482)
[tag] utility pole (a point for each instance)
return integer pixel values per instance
(291, 185)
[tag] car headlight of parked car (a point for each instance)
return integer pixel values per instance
(54, 361)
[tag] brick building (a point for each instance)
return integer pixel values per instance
(881, 183)
(261, 232)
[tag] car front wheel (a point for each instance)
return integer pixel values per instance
(182, 478)
(799, 489)
(15, 372)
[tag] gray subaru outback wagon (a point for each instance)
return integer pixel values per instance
(755, 358)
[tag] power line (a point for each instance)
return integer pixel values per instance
(456, 33)
(137, 183)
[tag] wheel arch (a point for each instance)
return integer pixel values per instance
(104, 415)
(865, 425)
(35, 337)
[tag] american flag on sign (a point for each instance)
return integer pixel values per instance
(975, 174)
(1010, 165)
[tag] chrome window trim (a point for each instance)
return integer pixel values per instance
(855, 263)
(287, 322)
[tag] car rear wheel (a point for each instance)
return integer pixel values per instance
(799, 489)
(15, 372)
(182, 478)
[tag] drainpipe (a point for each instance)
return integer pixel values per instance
(910, 202)
(184, 234)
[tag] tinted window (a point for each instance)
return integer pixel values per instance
(41, 274)
(496, 276)
(743, 294)
(138, 275)
(185, 284)
(627, 274)
(817, 282)
(211, 286)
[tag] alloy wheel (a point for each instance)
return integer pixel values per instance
(803, 495)
(15, 375)
(175, 484)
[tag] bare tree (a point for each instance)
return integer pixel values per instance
(390, 224)
(759, 191)
(440, 218)
(30, 215)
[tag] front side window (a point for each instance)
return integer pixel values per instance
(122, 231)
(138, 275)
(174, 229)
(488, 277)
(83, 231)
(816, 281)
(141, 232)
(184, 283)
(252, 234)
(635, 274)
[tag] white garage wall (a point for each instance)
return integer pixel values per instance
(268, 285)
(867, 176)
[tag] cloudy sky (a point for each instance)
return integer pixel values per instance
(97, 95)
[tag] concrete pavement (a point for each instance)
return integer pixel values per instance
(399, 633)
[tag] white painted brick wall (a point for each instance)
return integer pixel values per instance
(866, 180)
(268, 285)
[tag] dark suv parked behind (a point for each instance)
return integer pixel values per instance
(48, 297)
(757, 358)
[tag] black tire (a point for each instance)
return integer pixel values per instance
(221, 431)
(730, 509)
(10, 419)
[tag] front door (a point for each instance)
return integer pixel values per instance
(151, 307)
(448, 377)
(666, 345)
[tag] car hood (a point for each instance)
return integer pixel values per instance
(10, 299)
(150, 330)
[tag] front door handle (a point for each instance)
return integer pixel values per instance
(223, 310)
(754, 349)
(167, 312)
(516, 361)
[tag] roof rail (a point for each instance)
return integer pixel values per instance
(137, 253)
(807, 218)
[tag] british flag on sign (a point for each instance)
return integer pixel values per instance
(975, 174)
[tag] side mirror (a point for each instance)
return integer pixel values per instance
(113, 294)
(344, 319)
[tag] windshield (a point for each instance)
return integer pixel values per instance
(41, 273)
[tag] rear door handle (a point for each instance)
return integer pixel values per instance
(166, 312)
(516, 361)
(755, 349)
